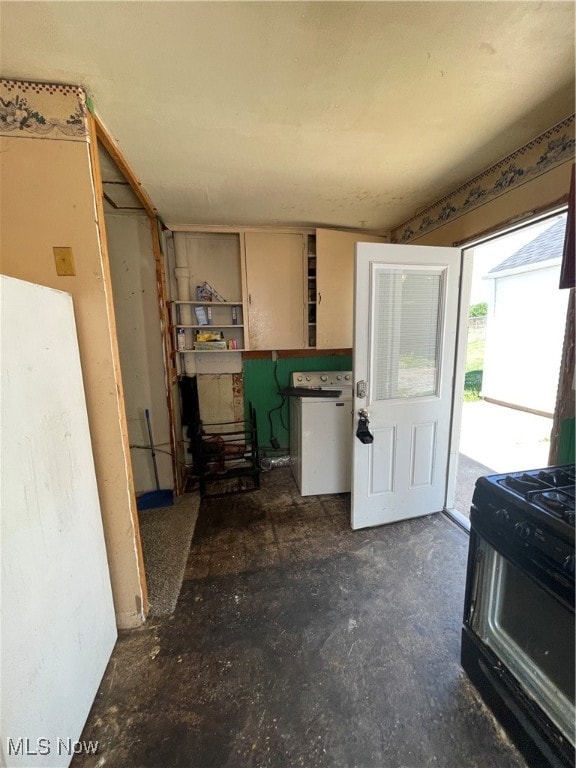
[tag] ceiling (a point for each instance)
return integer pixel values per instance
(350, 114)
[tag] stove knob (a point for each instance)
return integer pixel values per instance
(323, 378)
(298, 378)
(308, 378)
(502, 514)
(523, 530)
(338, 378)
(569, 565)
(347, 377)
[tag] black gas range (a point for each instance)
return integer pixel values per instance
(518, 632)
(530, 516)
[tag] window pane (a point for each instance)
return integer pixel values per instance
(406, 333)
(526, 613)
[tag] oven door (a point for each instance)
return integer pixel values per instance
(529, 630)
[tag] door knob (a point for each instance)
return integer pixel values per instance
(362, 432)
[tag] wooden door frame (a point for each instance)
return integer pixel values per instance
(465, 291)
(102, 135)
(564, 406)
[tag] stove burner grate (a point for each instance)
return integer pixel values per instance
(557, 478)
(524, 484)
(549, 490)
(557, 503)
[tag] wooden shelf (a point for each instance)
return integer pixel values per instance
(210, 303)
(207, 327)
(209, 351)
(312, 288)
(221, 314)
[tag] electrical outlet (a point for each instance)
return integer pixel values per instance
(64, 260)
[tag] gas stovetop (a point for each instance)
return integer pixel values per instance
(550, 490)
(530, 512)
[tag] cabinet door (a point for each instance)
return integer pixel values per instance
(335, 286)
(275, 282)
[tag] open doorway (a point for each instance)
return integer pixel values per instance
(165, 523)
(515, 330)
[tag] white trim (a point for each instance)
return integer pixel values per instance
(534, 267)
(459, 374)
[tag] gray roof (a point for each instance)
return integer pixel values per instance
(548, 245)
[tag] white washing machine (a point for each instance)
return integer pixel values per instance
(321, 431)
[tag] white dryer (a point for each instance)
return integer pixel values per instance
(321, 431)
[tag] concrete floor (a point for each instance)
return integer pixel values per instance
(297, 642)
(495, 439)
(504, 439)
(468, 472)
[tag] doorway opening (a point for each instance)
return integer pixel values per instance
(515, 329)
(164, 528)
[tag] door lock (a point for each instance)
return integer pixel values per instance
(361, 389)
(362, 432)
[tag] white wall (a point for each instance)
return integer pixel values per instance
(58, 626)
(524, 334)
(133, 272)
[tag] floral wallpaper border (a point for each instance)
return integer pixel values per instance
(42, 110)
(552, 148)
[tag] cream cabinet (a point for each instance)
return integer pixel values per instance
(275, 283)
(335, 286)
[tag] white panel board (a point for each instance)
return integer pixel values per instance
(58, 626)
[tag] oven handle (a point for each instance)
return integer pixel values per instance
(477, 580)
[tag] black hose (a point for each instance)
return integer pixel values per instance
(287, 428)
(273, 441)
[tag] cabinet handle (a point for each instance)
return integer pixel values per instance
(249, 298)
(319, 298)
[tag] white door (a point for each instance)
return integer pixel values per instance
(405, 322)
(58, 626)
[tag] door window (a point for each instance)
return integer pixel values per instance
(406, 332)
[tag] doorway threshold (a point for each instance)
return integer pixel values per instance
(457, 517)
